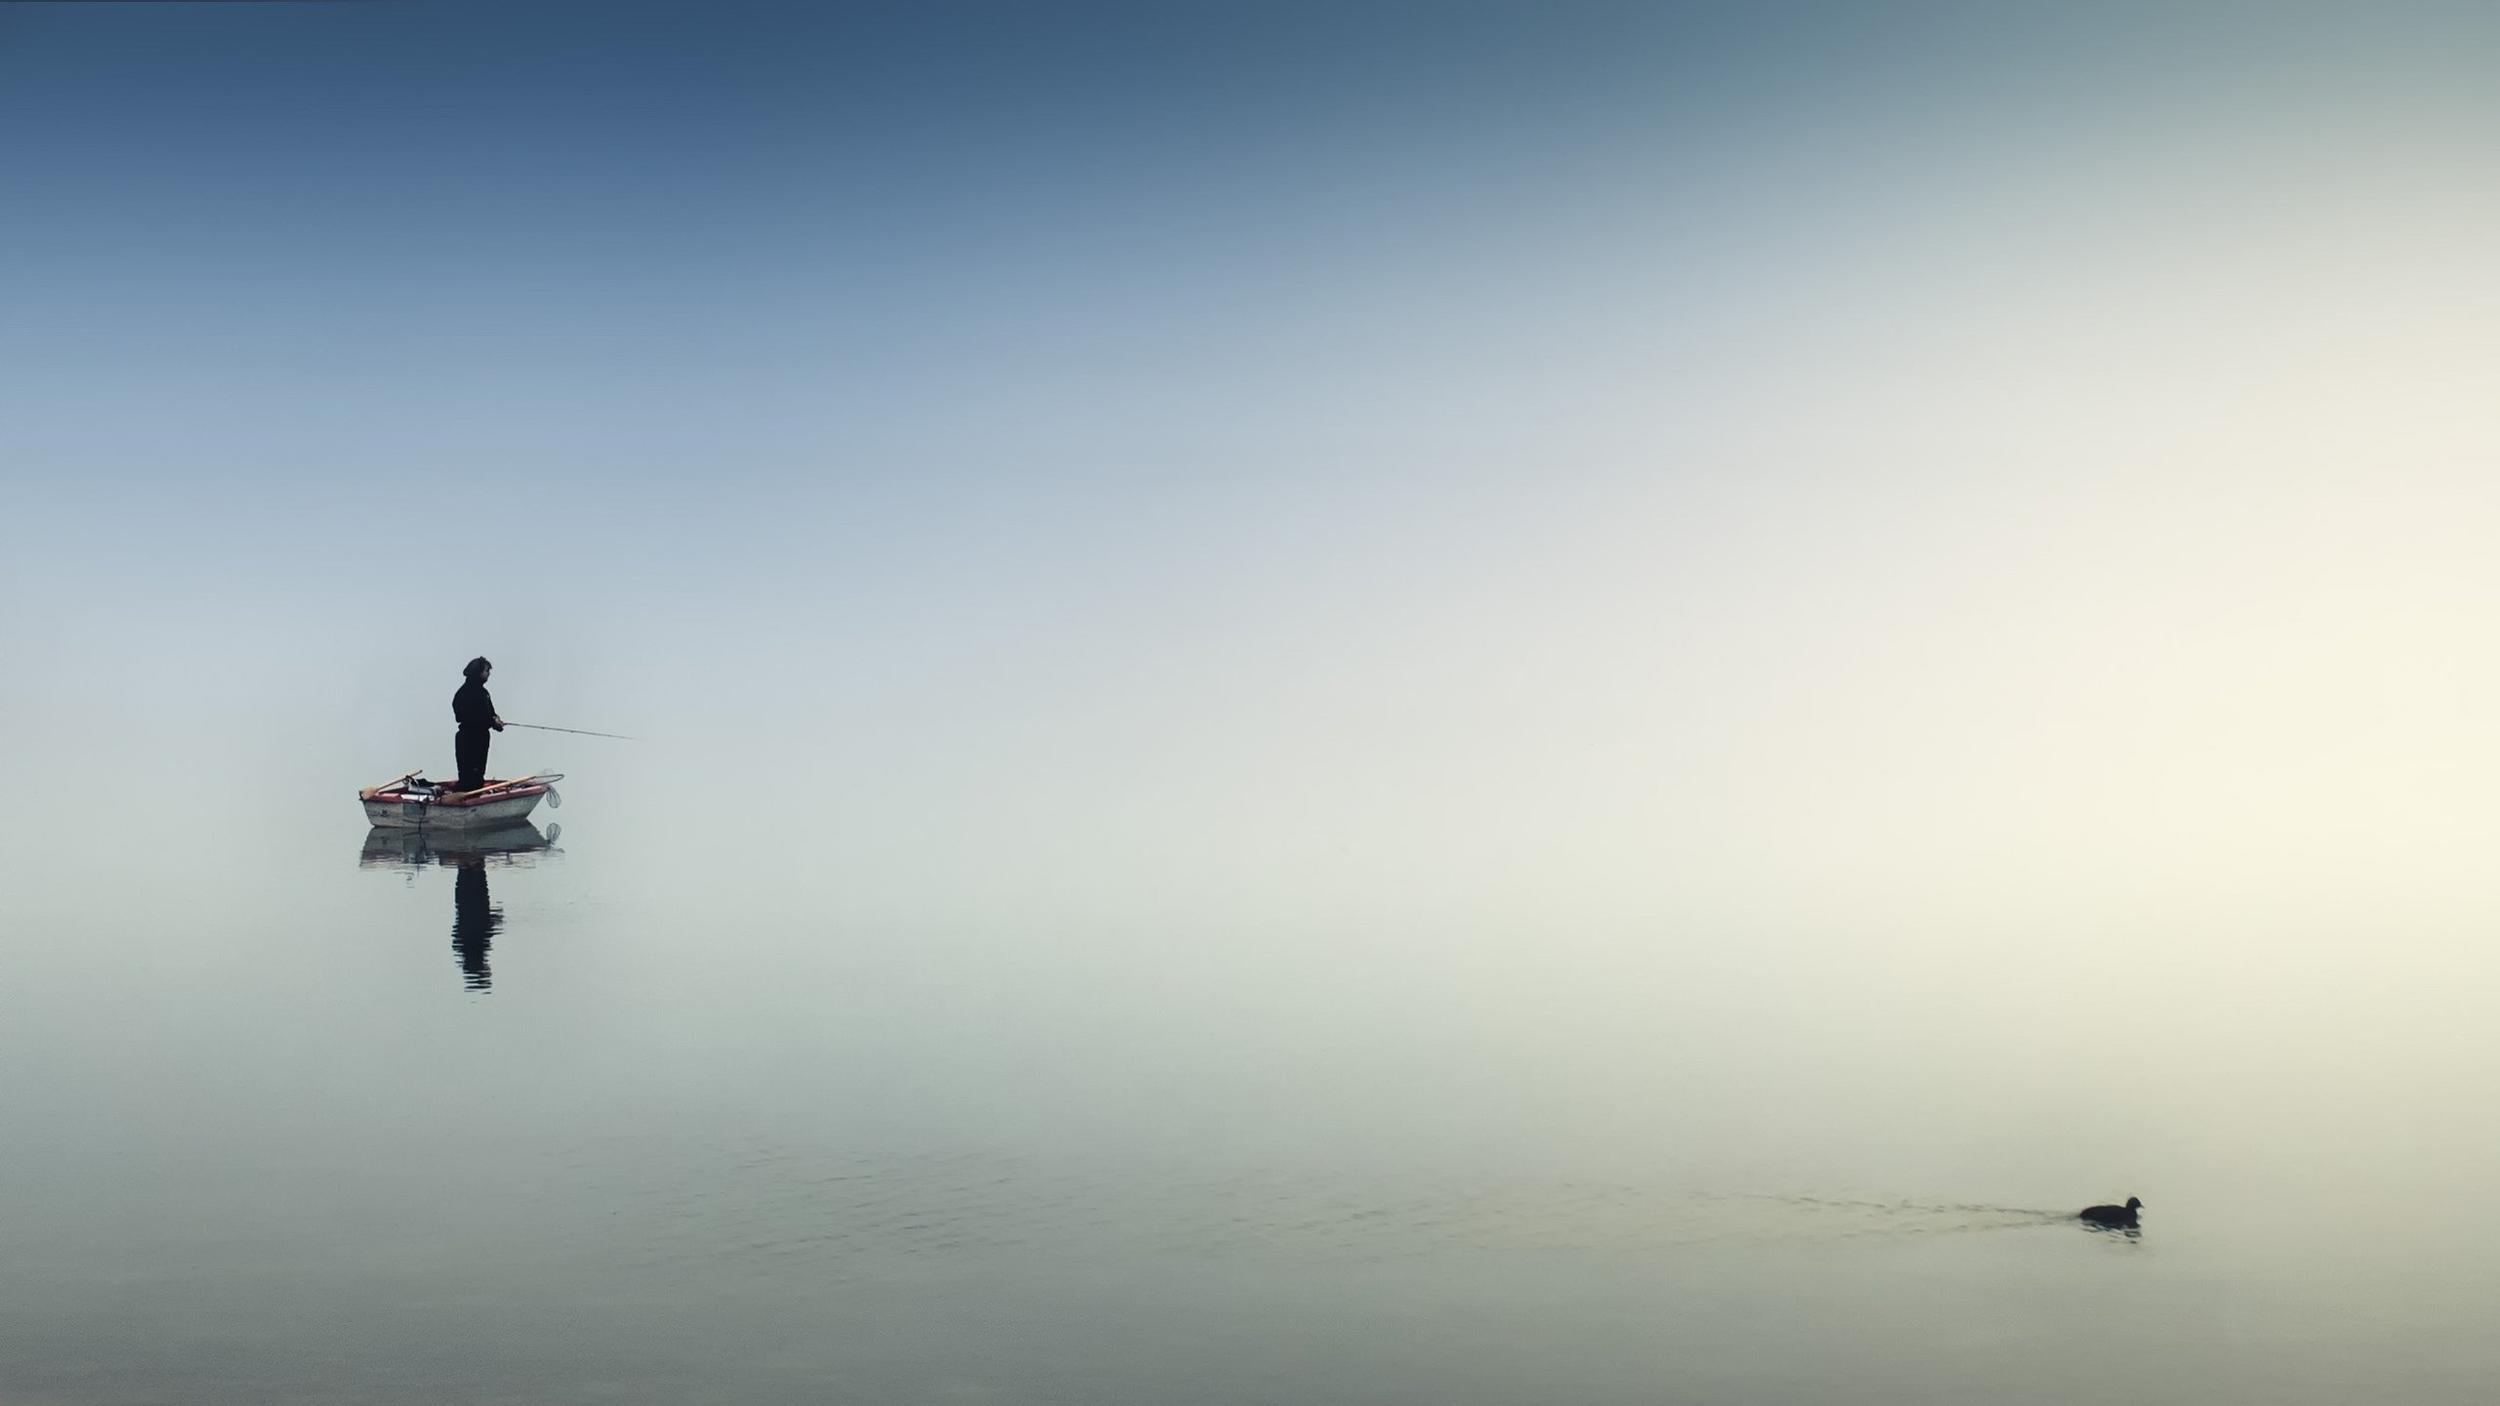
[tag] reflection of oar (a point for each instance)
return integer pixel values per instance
(576, 731)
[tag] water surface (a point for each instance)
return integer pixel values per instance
(633, 1109)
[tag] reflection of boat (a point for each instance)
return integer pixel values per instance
(468, 851)
(513, 842)
(411, 802)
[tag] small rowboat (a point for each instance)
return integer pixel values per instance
(413, 803)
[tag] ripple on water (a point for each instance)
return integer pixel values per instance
(764, 1204)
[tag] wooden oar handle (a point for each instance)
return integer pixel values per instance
(534, 779)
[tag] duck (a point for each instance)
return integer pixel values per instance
(2112, 1215)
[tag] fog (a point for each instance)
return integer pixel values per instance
(1397, 690)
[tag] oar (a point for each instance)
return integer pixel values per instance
(576, 731)
(536, 778)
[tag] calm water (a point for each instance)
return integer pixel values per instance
(676, 1108)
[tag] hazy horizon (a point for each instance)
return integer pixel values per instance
(1782, 601)
(1597, 457)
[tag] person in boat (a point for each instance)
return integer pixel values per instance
(474, 709)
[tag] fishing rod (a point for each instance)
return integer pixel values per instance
(576, 731)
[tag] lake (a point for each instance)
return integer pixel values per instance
(646, 1108)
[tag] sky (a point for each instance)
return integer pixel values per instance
(1918, 464)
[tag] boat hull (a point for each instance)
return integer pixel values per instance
(402, 814)
(411, 803)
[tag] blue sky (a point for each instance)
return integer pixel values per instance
(1570, 434)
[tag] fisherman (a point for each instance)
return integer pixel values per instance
(475, 711)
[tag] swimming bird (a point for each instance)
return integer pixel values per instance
(2112, 1215)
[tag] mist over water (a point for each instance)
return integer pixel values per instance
(659, 1104)
(1587, 705)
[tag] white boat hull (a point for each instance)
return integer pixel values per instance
(430, 815)
(411, 803)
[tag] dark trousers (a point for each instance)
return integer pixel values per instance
(470, 747)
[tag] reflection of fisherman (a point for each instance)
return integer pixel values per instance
(474, 920)
(475, 711)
